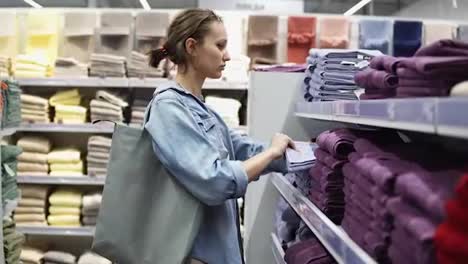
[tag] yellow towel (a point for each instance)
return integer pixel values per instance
(64, 220)
(29, 68)
(65, 197)
(70, 109)
(32, 223)
(34, 59)
(32, 173)
(70, 120)
(62, 210)
(75, 167)
(64, 156)
(29, 74)
(42, 34)
(68, 97)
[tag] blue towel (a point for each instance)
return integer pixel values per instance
(407, 37)
(463, 33)
(375, 34)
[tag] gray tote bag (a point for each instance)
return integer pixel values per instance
(146, 216)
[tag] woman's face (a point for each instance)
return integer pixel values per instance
(211, 54)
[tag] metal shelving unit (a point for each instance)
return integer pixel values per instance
(55, 180)
(57, 231)
(333, 238)
(67, 128)
(428, 115)
(278, 252)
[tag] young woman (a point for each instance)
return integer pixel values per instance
(211, 161)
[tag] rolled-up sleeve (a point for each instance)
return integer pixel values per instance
(245, 148)
(186, 152)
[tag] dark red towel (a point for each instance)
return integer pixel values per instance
(462, 190)
(447, 258)
(451, 240)
(457, 214)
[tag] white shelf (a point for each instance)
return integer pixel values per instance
(56, 231)
(150, 83)
(278, 252)
(440, 116)
(333, 238)
(65, 180)
(70, 128)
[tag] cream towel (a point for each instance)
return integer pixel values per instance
(30, 223)
(61, 210)
(64, 156)
(32, 112)
(98, 161)
(35, 118)
(77, 167)
(91, 258)
(37, 108)
(113, 99)
(460, 89)
(36, 167)
(29, 210)
(62, 96)
(98, 155)
(34, 191)
(32, 173)
(65, 197)
(98, 149)
(34, 100)
(92, 201)
(99, 141)
(64, 220)
(104, 104)
(106, 112)
(31, 202)
(34, 144)
(33, 157)
(31, 255)
(29, 217)
(437, 31)
(70, 120)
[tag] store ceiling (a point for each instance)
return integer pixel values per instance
(103, 3)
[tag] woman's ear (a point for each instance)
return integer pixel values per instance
(190, 46)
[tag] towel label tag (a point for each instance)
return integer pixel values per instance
(8, 170)
(362, 64)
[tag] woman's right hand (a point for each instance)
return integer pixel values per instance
(279, 144)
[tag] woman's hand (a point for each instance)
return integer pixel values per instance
(279, 144)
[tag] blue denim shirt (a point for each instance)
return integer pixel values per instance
(205, 156)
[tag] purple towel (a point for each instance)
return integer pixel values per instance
(400, 257)
(376, 96)
(375, 246)
(319, 172)
(423, 82)
(429, 191)
(403, 243)
(444, 48)
(415, 223)
(337, 142)
(371, 79)
(407, 73)
(327, 159)
(384, 63)
(312, 248)
(436, 66)
(422, 91)
(354, 229)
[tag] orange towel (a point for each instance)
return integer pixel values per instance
(301, 37)
(334, 33)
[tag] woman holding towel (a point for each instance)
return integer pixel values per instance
(212, 162)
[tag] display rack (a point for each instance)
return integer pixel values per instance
(57, 231)
(333, 238)
(428, 115)
(109, 82)
(278, 252)
(65, 180)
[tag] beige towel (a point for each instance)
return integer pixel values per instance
(262, 39)
(111, 98)
(34, 100)
(104, 104)
(31, 255)
(437, 31)
(32, 223)
(34, 112)
(29, 210)
(31, 202)
(334, 32)
(33, 157)
(106, 112)
(35, 118)
(64, 156)
(29, 217)
(62, 210)
(36, 167)
(41, 108)
(34, 144)
(32, 173)
(34, 191)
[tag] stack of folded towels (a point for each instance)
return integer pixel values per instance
(139, 67)
(138, 112)
(31, 66)
(31, 255)
(227, 108)
(9, 169)
(453, 233)
(33, 160)
(327, 176)
(70, 67)
(34, 109)
(90, 210)
(98, 155)
(4, 66)
(58, 257)
(12, 242)
(65, 162)
(330, 74)
(107, 106)
(31, 210)
(106, 65)
(92, 258)
(65, 207)
(309, 251)
(67, 107)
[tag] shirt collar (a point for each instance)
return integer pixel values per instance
(176, 86)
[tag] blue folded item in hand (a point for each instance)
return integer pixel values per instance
(302, 158)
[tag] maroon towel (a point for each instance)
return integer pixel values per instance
(462, 190)
(423, 82)
(371, 79)
(337, 142)
(444, 48)
(407, 73)
(403, 92)
(457, 214)
(451, 240)
(376, 96)
(385, 63)
(448, 258)
(436, 66)
(327, 159)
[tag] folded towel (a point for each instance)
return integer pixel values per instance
(64, 156)
(32, 223)
(98, 155)
(29, 217)
(91, 258)
(97, 172)
(33, 173)
(99, 141)
(66, 174)
(111, 98)
(62, 210)
(34, 191)
(31, 202)
(35, 119)
(31, 255)
(334, 32)
(89, 211)
(34, 100)
(33, 157)
(70, 109)
(68, 167)
(64, 220)
(62, 97)
(36, 108)
(35, 167)
(92, 201)
(106, 112)
(65, 197)
(34, 144)
(59, 257)
(98, 165)
(104, 105)
(29, 210)
(31, 112)
(89, 220)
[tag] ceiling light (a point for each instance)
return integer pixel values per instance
(145, 5)
(356, 7)
(32, 3)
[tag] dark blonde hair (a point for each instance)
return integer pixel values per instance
(191, 23)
